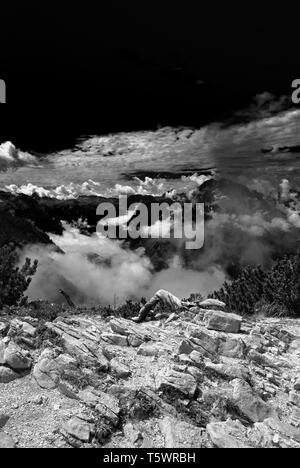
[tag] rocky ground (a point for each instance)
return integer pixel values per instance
(203, 378)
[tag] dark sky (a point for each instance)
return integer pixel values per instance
(90, 70)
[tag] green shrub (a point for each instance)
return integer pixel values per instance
(273, 293)
(14, 281)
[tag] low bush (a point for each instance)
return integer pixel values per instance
(272, 293)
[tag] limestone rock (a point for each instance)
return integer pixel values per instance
(179, 434)
(221, 321)
(295, 399)
(16, 358)
(232, 347)
(46, 373)
(2, 352)
(147, 350)
(4, 327)
(262, 359)
(79, 429)
(119, 370)
(185, 347)
(112, 338)
(205, 340)
(213, 303)
(295, 417)
(6, 442)
(249, 404)
(132, 433)
(229, 434)
(65, 361)
(178, 382)
(297, 385)
(230, 372)
(3, 419)
(7, 375)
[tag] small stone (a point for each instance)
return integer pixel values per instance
(131, 433)
(7, 375)
(213, 303)
(147, 350)
(2, 352)
(185, 347)
(6, 441)
(294, 398)
(78, 428)
(28, 329)
(176, 381)
(3, 420)
(172, 317)
(297, 385)
(16, 358)
(38, 400)
(46, 373)
(4, 327)
(295, 417)
(119, 370)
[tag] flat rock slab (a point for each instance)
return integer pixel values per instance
(221, 321)
(249, 404)
(179, 434)
(178, 382)
(229, 434)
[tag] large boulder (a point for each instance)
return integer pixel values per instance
(250, 405)
(221, 321)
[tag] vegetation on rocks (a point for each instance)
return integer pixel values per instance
(273, 293)
(14, 281)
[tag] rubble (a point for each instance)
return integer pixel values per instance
(206, 379)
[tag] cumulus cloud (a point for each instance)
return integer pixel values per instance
(11, 157)
(91, 269)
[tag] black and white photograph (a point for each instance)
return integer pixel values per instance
(149, 228)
